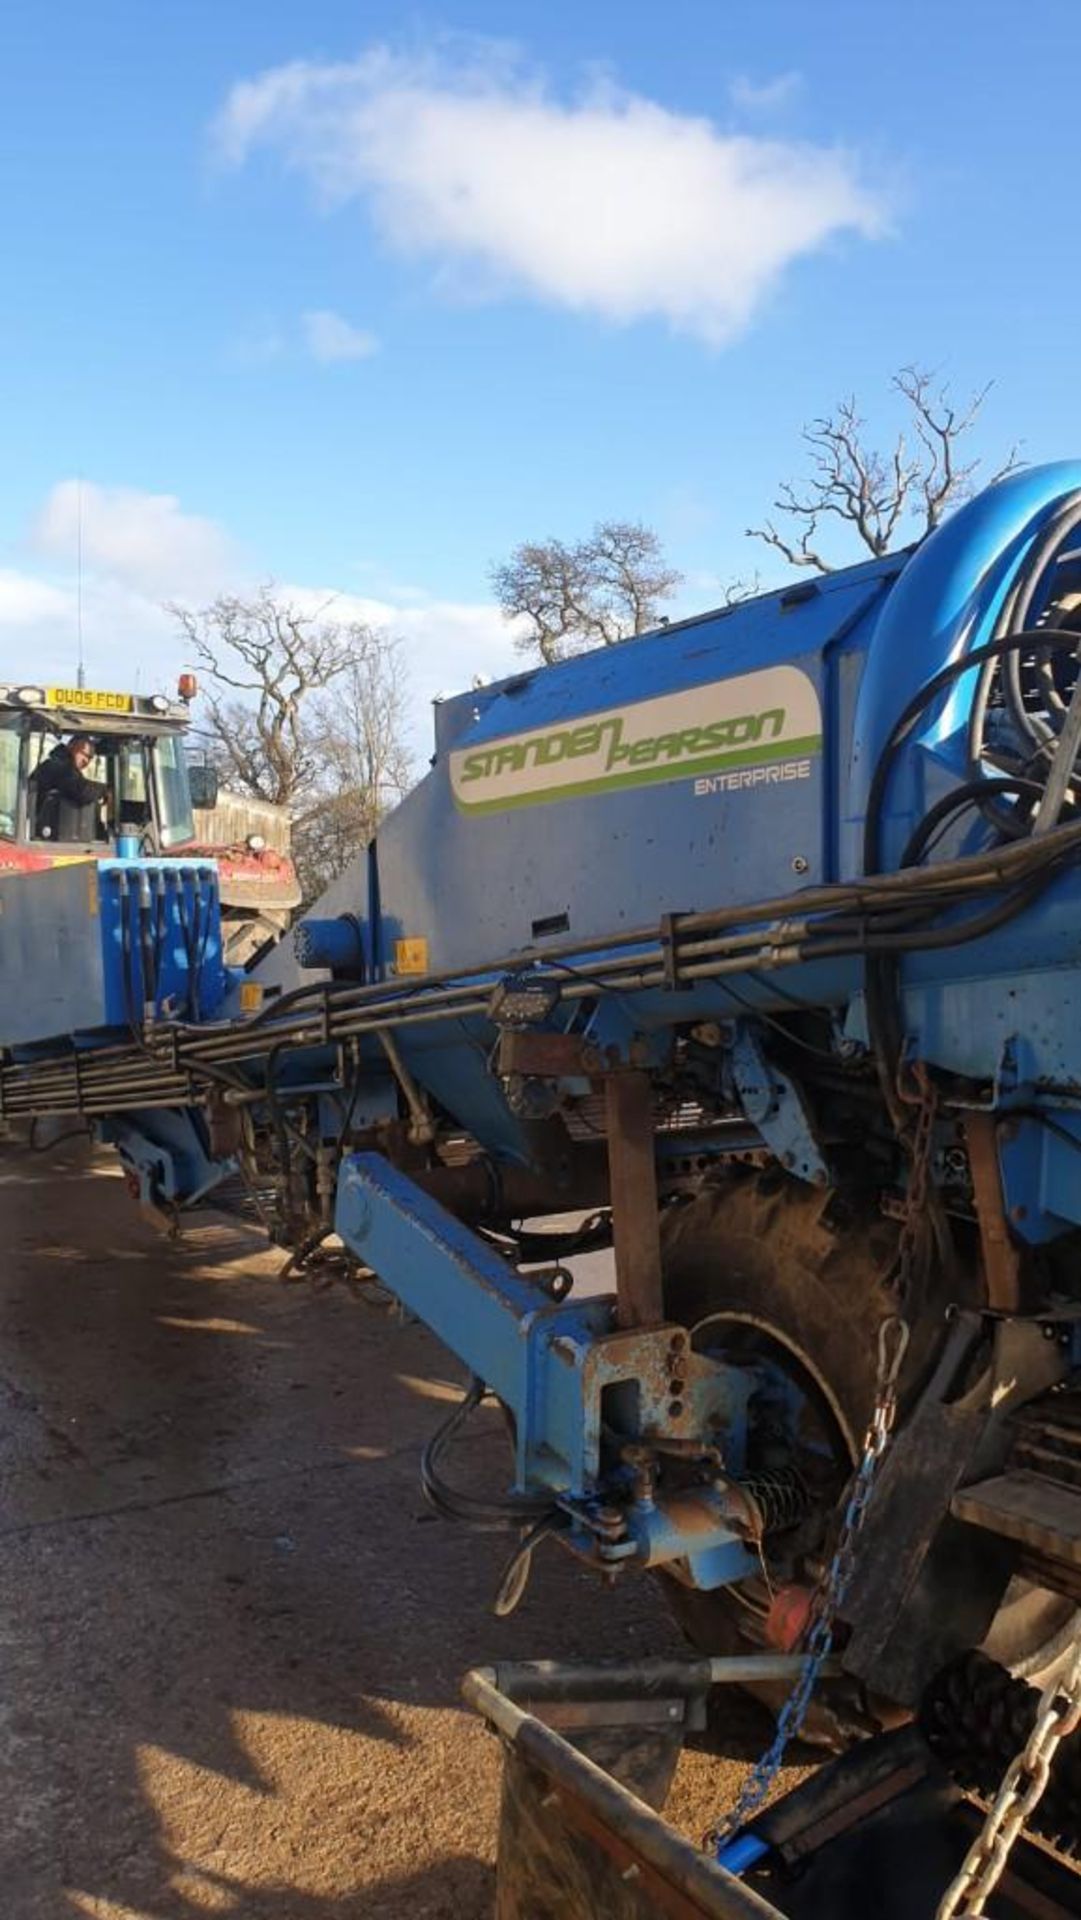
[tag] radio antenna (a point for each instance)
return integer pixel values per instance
(80, 678)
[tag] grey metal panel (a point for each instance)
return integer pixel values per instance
(51, 969)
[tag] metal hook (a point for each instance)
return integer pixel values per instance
(889, 1365)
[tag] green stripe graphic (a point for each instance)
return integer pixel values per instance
(650, 776)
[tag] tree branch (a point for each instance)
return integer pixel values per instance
(875, 493)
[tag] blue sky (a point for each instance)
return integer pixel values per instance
(357, 298)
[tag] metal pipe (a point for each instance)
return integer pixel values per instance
(486, 1190)
(986, 869)
(421, 1129)
(614, 1679)
(635, 1828)
(771, 948)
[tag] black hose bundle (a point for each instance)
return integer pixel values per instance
(993, 652)
(507, 1514)
(999, 658)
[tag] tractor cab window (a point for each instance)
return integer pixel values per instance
(173, 791)
(10, 743)
(146, 777)
(52, 818)
(120, 763)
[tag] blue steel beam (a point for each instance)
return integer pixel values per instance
(529, 1350)
(562, 1371)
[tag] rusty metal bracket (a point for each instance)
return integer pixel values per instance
(632, 1170)
(1002, 1264)
(537, 1050)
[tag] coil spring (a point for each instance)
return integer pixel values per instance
(779, 1497)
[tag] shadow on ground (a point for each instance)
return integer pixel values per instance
(232, 1633)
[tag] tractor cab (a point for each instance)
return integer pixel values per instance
(136, 761)
(146, 799)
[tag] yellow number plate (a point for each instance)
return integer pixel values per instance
(411, 956)
(92, 702)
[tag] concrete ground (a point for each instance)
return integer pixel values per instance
(231, 1632)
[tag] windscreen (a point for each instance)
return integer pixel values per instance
(146, 780)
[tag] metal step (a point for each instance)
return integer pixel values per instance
(1042, 1515)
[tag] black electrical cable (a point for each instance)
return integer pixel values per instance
(881, 981)
(506, 1515)
(920, 701)
(281, 1125)
(978, 751)
(593, 1236)
(339, 989)
(958, 933)
(347, 1117)
(768, 1019)
(146, 943)
(966, 795)
(920, 940)
(1049, 690)
(1017, 611)
(1014, 614)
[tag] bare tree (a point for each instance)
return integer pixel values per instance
(591, 593)
(882, 497)
(358, 733)
(308, 712)
(744, 587)
(273, 657)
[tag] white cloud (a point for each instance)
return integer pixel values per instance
(329, 338)
(144, 541)
(445, 643)
(766, 96)
(130, 641)
(613, 205)
(26, 601)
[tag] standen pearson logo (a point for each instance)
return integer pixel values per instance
(747, 721)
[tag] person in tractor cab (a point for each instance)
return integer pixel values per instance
(66, 803)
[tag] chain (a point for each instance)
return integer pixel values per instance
(919, 1145)
(893, 1336)
(832, 1588)
(1023, 1783)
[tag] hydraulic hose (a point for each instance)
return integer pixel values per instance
(1017, 612)
(903, 727)
(969, 794)
(875, 917)
(506, 1515)
(1013, 636)
(146, 946)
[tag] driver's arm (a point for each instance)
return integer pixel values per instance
(74, 786)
